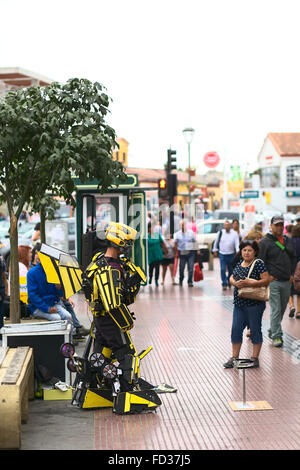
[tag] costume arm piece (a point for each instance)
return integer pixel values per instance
(134, 277)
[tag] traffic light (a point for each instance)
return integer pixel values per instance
(162, 188)
(171, 165)
(172, 185)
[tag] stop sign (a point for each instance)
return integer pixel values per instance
(211, 159)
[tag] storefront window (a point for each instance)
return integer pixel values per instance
(270, 177)
(293, 175)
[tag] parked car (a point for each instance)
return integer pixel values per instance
(61, 234)
(4, 228)
(207, 231)
(5, 247)
(224, 214)
(65, 239)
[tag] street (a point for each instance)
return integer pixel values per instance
(189, 329)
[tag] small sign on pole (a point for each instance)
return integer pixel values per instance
(249, 194)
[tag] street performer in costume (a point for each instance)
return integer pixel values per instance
(112, 284)
(107, 374)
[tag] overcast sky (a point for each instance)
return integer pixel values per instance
(227, 68)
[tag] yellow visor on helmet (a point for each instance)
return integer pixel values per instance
(120, 234)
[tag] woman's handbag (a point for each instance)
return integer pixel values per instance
(198, 273)
(261, 293)
(296, 280)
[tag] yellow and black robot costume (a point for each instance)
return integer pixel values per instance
(110, 375)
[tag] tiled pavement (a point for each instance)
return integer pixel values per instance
(189, 329)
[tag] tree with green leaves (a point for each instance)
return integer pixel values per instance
(47, 136)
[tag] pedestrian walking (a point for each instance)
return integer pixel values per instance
(226, 245)
(235, 225)
(295, 237)
(247, 311)
(156, 248)
(185, 243)
(278, 253)
(168, 258)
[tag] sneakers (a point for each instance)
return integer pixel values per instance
(298, 315)
(230, 363)
(277, 342)
(292, 312)
(82, 331)
(255, 361)
(270, 334)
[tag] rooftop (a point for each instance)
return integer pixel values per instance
(287, 144)
(17, 77)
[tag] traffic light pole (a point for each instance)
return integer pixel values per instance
(172, 182)
(189, 169)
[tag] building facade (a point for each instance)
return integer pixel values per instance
(120, 154)
(279, 173)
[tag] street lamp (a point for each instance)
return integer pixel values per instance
(188, 134)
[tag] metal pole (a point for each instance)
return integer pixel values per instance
(244, 388)
(189, 151)
(225, 191)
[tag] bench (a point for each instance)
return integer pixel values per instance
(16, 388)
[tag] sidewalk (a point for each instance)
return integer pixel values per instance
(189, 329)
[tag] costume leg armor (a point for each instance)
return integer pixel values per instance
(100, 377)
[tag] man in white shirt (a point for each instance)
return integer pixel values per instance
(226, 245)
(185, 243)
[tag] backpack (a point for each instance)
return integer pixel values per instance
(218, 242)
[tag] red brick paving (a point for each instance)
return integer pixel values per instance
(189, 330)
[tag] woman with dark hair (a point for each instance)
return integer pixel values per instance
(35, 254)
(295, 237)
(247, 312)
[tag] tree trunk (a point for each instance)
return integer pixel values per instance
(15, 312)
(43, 226)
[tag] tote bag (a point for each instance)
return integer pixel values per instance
(254, 293)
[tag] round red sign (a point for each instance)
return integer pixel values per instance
(211, 159)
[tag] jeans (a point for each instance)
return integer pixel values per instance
(69, 308)
(155, 266)
(250, 316)
(226, 263)
(1, 316)
(61, 314)
(188, 259)
(280, 292)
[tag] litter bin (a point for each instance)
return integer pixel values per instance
(45, 338)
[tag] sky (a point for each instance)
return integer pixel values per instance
(227, 68)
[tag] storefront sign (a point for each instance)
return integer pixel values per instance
(293, 194)
(249, 194)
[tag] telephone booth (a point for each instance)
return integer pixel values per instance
(125, 203)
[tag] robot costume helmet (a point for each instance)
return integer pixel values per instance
(120, 235)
